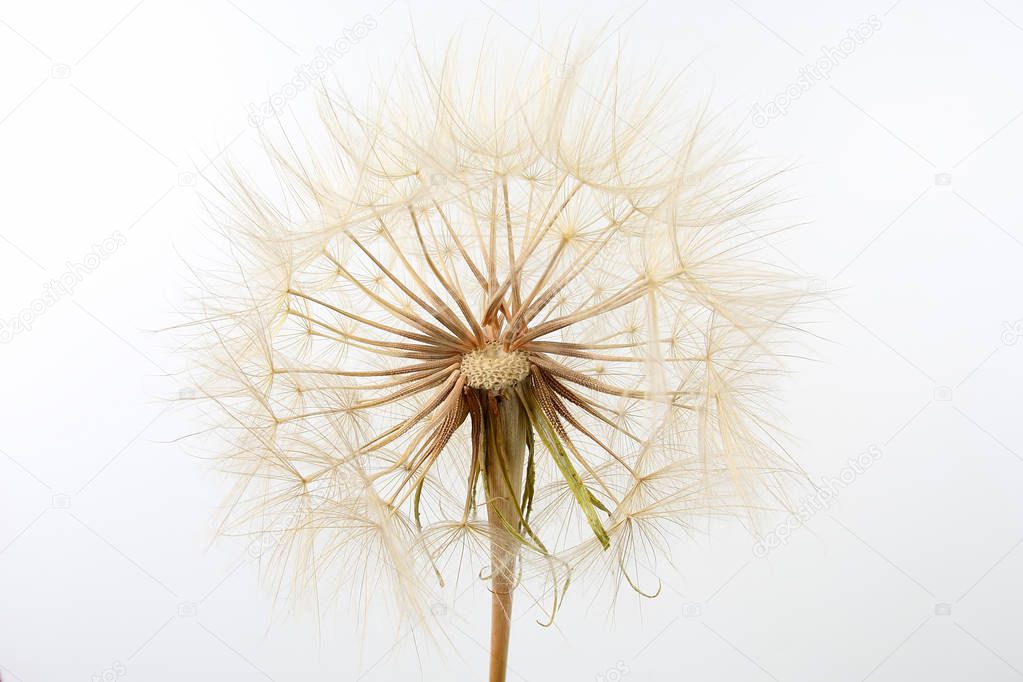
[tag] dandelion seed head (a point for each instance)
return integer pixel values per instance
(559, 258)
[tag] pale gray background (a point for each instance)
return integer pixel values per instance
(909, 171)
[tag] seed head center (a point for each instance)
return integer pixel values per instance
(492, 368)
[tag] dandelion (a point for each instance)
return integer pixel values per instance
(513, 319)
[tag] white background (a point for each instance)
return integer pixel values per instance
(908, 173)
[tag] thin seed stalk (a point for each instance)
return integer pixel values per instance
(506, 431)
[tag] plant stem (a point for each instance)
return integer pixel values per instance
(500, 628)
(504, 482)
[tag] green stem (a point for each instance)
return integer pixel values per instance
(506, 432)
